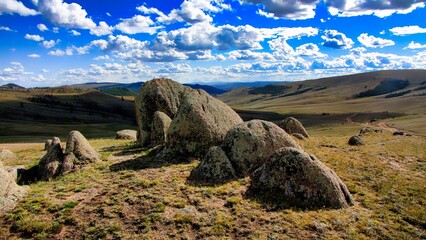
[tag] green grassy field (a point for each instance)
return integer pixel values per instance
(130, 195)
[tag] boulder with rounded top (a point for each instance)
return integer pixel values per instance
(291, 125)
(248, 145)
(293, 178)
(201, 122)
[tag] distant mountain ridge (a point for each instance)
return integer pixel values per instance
(11, 86)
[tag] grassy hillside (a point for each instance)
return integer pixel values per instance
(340, 95)
(38, 114)
(130, 195)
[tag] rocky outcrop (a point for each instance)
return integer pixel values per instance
(200, 122)
(55, 162)
(355, 141)
(293, 178)
(250, 144)
(188, 121)
(126, 134)
(78, 152)
(160, 127)
(49, 166)
(156, 95)
(10, 192)
(367, 130)
(292, 125)
(214, 168)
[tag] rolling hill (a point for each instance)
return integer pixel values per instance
(393, 91)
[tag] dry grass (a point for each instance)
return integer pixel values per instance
(129, 195)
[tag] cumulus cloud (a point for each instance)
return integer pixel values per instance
(42, 27)
(175, 68)
(67, 15)
(192, 11)
(335, 39)
(75, 33)
(137, 24)
(38, 78)
(34, 37)
(374, 42)
(291, 9)
(71, 16)
(3, 28)
(413, 45)
(50, 43)
(101, 29)
(60, 53)
(103, 57)
(407, 30)
(309, 50)
(379, 8)
(14, 72)
(34, 55)
(14, 6)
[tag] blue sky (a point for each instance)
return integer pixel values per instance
(60, 42)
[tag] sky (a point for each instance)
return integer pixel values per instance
(63, 42)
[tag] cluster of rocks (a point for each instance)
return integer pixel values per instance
(186, 121)
(10, 191)
(56, 162)
(356, 140)
(191, 123)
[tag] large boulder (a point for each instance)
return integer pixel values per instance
(78, 152)
(159, 128)
(292, 178)
(291, 125)
(49, 165)
(202, 121)
(6, 154)
(248, 145)
(214, 168)
(355, 141)
(10, 192)
(126, 134)
(156, 95)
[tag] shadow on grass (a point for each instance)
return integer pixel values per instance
(152, 159)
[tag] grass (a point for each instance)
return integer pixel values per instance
(150, 199)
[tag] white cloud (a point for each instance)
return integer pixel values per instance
(250, 55)
(335, 39)
(309, 50)
(175, 68)
(42, 27)
(194, 11)
(75, 33)
(67, 15)
(60, 53)
(38, 78)
(14, 6)
(101, 29)
(150, 11)
(50, 43)
(35, 37)
(290, 9)
(15, 72)
(71, 16)
(103, 57)
(137, 24)
(379, 8)
(407, 30)
(3, 28)
(34, 55)
(413, 45)
(374, 42)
